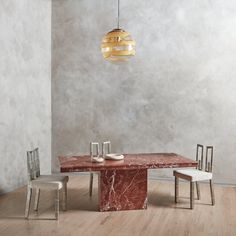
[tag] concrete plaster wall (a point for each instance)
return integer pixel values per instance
(25, 88)
(179, 90)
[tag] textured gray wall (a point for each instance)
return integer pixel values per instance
(178, 91)
(25, 87)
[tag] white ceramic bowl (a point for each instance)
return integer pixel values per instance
(97, 159)
(114, 156)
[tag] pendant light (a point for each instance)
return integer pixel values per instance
(117, 45)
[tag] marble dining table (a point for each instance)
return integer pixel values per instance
(122, 185)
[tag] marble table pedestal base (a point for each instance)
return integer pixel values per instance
(122, 189)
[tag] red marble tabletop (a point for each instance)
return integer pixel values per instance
(131, 161)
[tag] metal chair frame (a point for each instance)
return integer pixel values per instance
(208, 167)
(38, 181)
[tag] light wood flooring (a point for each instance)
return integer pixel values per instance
(163, 216)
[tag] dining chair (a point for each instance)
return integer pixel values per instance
(48, 182)
(201, 173)
(104, 152)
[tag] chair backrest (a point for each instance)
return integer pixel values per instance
(208, 159)
(199, 156)
(104, 149)
(92, 152)
(33, 164)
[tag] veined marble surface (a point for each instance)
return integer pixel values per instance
(123, 184)
(123, 190)
(131, 161)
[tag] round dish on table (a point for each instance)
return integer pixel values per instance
(97, 159)
(114, 156)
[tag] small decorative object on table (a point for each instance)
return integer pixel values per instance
(114, 157)
(106, 152)
(108, 155)
(95, 158)
(104, 145)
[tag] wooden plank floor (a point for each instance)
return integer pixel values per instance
(162, 217)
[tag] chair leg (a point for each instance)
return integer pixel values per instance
(57, 204)
(176, 189)
(212, 193)
(198, 191)
(91, 184)
(64, 197)
(28, 200)
(36, 202)
(191, 195)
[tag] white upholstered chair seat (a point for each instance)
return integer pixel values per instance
(49, 182)
(194, 175)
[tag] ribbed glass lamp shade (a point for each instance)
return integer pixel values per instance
(117, 45)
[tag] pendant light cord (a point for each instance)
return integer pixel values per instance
(118, 22)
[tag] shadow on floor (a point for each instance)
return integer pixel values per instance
(79, 199)
(166, 200)
(160, 200)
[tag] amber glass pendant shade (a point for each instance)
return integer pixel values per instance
(117, 45)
